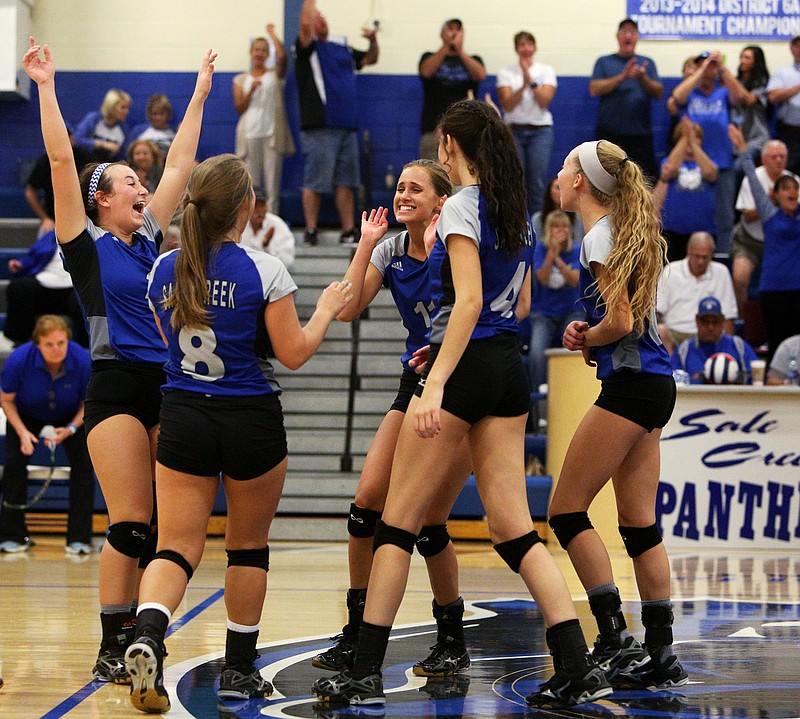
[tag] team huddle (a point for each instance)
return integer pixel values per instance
(182, 394)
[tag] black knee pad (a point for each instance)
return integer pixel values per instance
(432, 539)
(568, 526)
(176, 558)
(386, 534)
(638, 540)
(514, 550)
(128, 538)
(149, 549)
(258, 558)
(361, 522)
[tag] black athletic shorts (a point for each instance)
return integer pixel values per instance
(645, 399)
(205, 435)
(489, 380)
(408, 383)
(117, 387)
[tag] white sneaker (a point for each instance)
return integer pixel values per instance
(78, 548)
(12, 547)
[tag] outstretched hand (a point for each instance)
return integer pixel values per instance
(38, 70)
(374, 225)
(335, 297)
(429, 238)
(203, 86)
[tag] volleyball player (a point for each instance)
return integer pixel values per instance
(110, 240)
(475, 387)
(400, 264)
(215, 302)
(622, 256)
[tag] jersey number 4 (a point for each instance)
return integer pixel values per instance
(504, 302)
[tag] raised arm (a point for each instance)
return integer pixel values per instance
(70, 214)
(181, 156)
(371, 34)
(764, 206)
(365, 278)
(280, 51)
(680, 95)
(308, 18)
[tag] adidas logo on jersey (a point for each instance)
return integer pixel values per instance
(398, 265)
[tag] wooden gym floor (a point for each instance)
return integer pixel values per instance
(737, 625)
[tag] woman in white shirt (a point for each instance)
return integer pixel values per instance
(262, 134)
(526, 89)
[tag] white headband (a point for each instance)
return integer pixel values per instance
(594, 171)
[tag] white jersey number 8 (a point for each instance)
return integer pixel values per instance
(198, 349)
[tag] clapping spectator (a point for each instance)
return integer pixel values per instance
(706, 96)
(556, 262)
(526, 88)
(551, 201)
(685, 189)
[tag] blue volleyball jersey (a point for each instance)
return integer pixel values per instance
(228, 357)
(502, 276)
(407, 280)
(110, 278)
(638, 353)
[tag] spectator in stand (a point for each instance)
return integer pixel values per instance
(685, 190)
(103, 132)
(41, 286)
(747, 240)
(326, 83)
(447, 76)
(689, 66)
(556, 262)
(779, 287)
(263, 137)
(268, 233)
(684, 283)
(526, 89)
(43, 383)
(157, 128)
(752, 115)
(40, 181)
(551, 201)
(147, 162)
(783, 90)
(626, 83)
(778, 372)
(711, 337)
(706, 96)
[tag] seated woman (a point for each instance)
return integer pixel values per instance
(102, 132)
(556, 262)
(147, 162)
(43, 383)
(157, 128)
(550, 202)
(685, 190)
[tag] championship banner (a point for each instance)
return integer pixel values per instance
(730, 469)
(715, 20)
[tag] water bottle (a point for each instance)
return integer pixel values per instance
(792, 374)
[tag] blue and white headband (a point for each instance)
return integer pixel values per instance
(95, 181)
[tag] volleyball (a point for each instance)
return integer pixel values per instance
(721, 368)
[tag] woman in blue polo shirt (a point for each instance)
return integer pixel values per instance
(44, 383)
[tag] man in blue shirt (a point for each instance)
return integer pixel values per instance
(625, 83)
(691, 355)
(326, 83)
